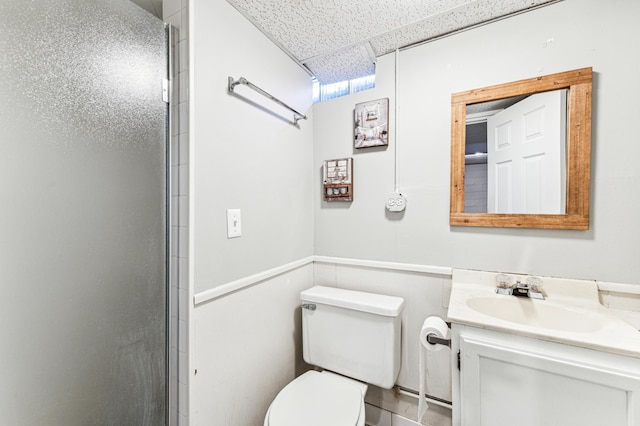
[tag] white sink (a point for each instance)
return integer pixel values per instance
(571, 312)
(535, 313)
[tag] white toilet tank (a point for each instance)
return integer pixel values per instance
(353, 333)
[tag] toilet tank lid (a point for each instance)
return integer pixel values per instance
(389, 306)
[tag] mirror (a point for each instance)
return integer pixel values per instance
(527, 183)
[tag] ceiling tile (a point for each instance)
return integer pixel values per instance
(345, 64)
(332, 37)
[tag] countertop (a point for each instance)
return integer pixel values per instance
(570, 314)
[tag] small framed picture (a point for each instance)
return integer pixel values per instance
(338, 180)
(371, 124)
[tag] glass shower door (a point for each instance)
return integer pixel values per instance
(83, 336)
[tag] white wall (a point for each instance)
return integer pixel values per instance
(244, 154)
(568, 35)
(248, 347)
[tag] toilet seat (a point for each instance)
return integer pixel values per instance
(318, 399)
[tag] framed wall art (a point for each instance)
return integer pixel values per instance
(371, 124)
(338, 180)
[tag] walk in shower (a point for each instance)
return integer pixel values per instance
(83, 184)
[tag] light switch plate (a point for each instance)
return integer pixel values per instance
(234, 223)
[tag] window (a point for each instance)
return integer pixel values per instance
(323, 92)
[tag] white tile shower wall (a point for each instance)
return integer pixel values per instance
(175, 12)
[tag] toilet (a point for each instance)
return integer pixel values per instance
(353, 339)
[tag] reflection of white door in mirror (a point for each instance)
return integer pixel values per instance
(526, 156)
(575, 213)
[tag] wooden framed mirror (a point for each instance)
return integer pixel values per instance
(518, 194)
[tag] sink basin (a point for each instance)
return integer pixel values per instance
(571, 313)
(536, 313)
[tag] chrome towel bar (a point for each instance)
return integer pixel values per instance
(297, 116)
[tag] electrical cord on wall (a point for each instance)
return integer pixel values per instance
(396, 202)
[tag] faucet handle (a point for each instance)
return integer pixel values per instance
(503, 281)
(504, 284)
(535, 288)
(535, 283)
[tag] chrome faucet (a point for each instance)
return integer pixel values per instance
(531, 288)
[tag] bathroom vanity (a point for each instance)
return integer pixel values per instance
(564, 360)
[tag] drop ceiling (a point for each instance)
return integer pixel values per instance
(337, 40)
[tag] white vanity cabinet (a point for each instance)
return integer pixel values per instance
(510, 380)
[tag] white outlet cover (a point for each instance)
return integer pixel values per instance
(396, 202)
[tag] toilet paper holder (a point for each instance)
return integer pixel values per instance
(433, 339)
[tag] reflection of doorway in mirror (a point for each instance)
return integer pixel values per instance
(526, 156)
(516, 155)
(475, 169)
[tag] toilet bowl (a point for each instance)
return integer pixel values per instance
(318, 399)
